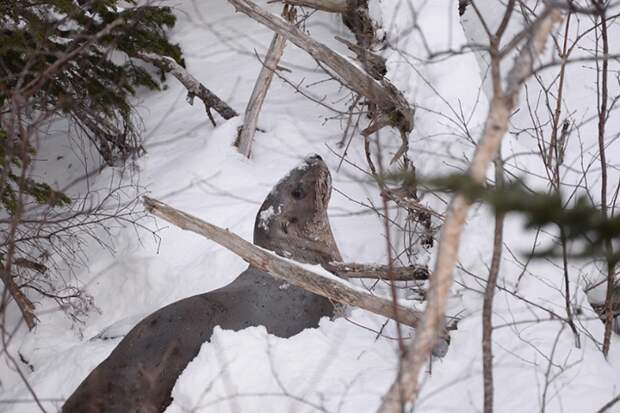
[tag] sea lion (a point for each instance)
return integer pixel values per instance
(141, 371)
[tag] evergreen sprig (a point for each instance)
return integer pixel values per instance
(581, 221)
(93, 89)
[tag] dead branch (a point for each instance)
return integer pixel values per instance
(389, 100)
(325, 285)
(602, 89)
(332, 6)
(405, 388)
(489, 295)
(376, 271)
(193, 85)
(272, 58)
(402, 200)
(609, 404)
(25, 305)
(31, 265)
(373, 63)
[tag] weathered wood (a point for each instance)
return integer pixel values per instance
(193, 85)
(140, 373)
(269, 65)
(332, 6)
(388, 99)
(373, 63)
(326, 285)
(376, 271)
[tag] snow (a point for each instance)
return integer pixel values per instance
(339, 366)
(265, 217)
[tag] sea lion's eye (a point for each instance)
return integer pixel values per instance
(298, 193)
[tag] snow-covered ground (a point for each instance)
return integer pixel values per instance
(340, 366)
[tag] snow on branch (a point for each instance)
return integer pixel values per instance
(299, 275)
(394, 108)
(193, 85)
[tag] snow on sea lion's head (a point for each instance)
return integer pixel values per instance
(292, 220)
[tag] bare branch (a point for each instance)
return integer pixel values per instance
(193, 85)
(37, 83)
(332, 6)
(609, 404)
(489, 295)
(389, 100)
(272, 58)
(602, 97)
(324, 284)
(496, 125)
(373, 63)
(376, 271)
(25, 305)
(403, 201)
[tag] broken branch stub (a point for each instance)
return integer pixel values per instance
(193, 85)
(331, 287)
(390, 102)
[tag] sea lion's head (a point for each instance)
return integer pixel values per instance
(293, 219)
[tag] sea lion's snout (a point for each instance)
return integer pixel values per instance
(293, 219)
(313, 159)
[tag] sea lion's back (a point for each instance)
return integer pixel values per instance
(256, 298)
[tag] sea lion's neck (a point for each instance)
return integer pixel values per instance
(321, 248)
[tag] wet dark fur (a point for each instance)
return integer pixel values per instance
(140, 373)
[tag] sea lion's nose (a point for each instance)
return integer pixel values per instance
(314, 160)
